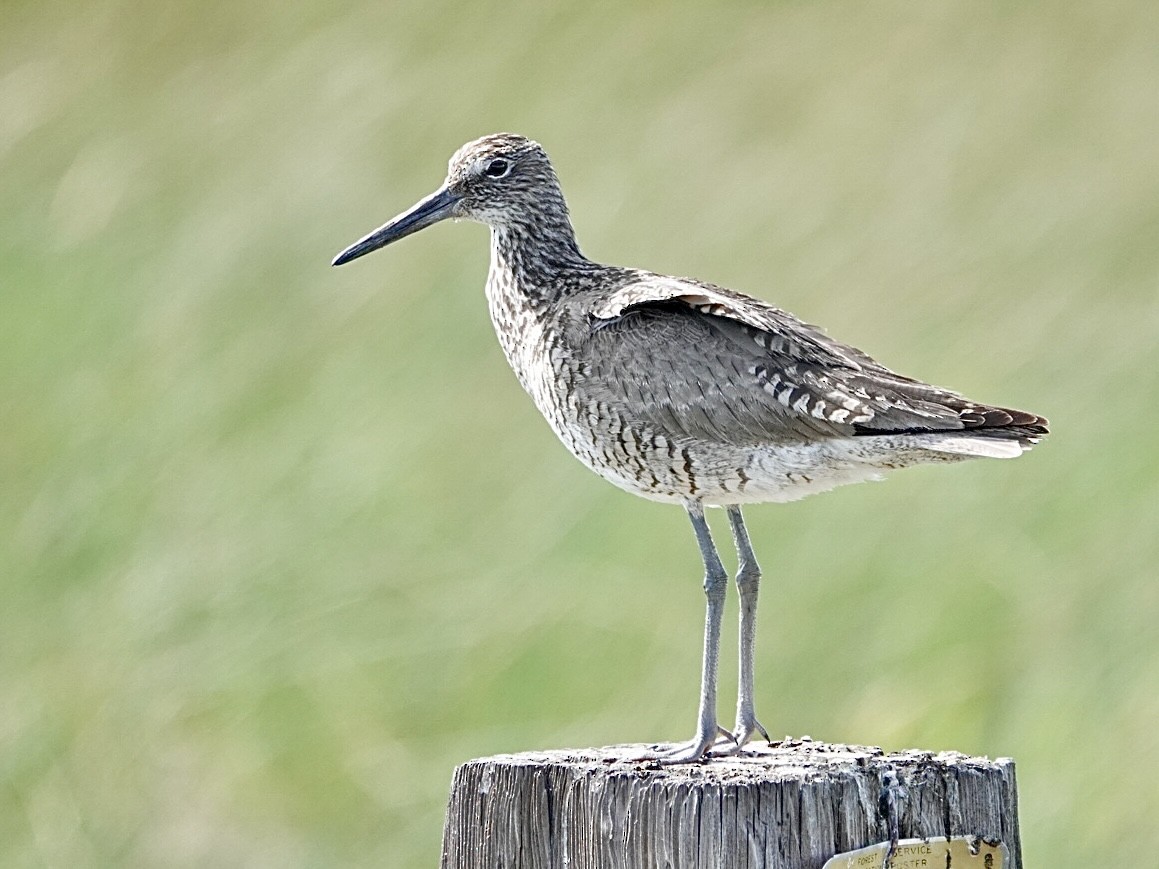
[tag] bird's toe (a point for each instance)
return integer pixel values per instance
(746, 731)
(697, 750)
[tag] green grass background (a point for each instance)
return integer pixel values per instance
(280, 545)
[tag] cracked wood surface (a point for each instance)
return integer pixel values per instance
(792, 804)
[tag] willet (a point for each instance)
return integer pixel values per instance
(685, 392)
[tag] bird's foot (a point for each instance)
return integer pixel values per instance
(695, 751)
(747, 727)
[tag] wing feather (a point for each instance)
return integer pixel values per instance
(706, 362)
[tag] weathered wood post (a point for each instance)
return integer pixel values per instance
(790, 805)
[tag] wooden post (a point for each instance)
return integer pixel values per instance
(789, 805)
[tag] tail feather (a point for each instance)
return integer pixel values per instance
(999, 442)
(990, 448)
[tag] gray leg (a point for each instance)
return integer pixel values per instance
(748, 580)
(715, 584)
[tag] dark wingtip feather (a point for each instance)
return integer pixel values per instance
(975, 417)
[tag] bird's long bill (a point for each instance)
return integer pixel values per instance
(438, 206)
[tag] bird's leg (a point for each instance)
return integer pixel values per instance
(748, 580)
(715, 584)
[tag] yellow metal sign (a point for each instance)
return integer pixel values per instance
(960, 852)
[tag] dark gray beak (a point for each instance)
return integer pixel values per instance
(438, 206)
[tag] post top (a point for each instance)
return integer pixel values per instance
(785, 758)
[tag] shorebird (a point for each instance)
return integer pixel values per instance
(685, 392)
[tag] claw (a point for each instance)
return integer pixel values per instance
(744, 733)
(727, 735)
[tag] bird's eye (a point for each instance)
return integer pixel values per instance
(497, 168)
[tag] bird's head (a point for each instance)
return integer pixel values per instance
(503, 180)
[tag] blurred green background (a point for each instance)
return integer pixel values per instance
(281, 544)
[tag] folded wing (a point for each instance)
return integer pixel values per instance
(705, 362)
